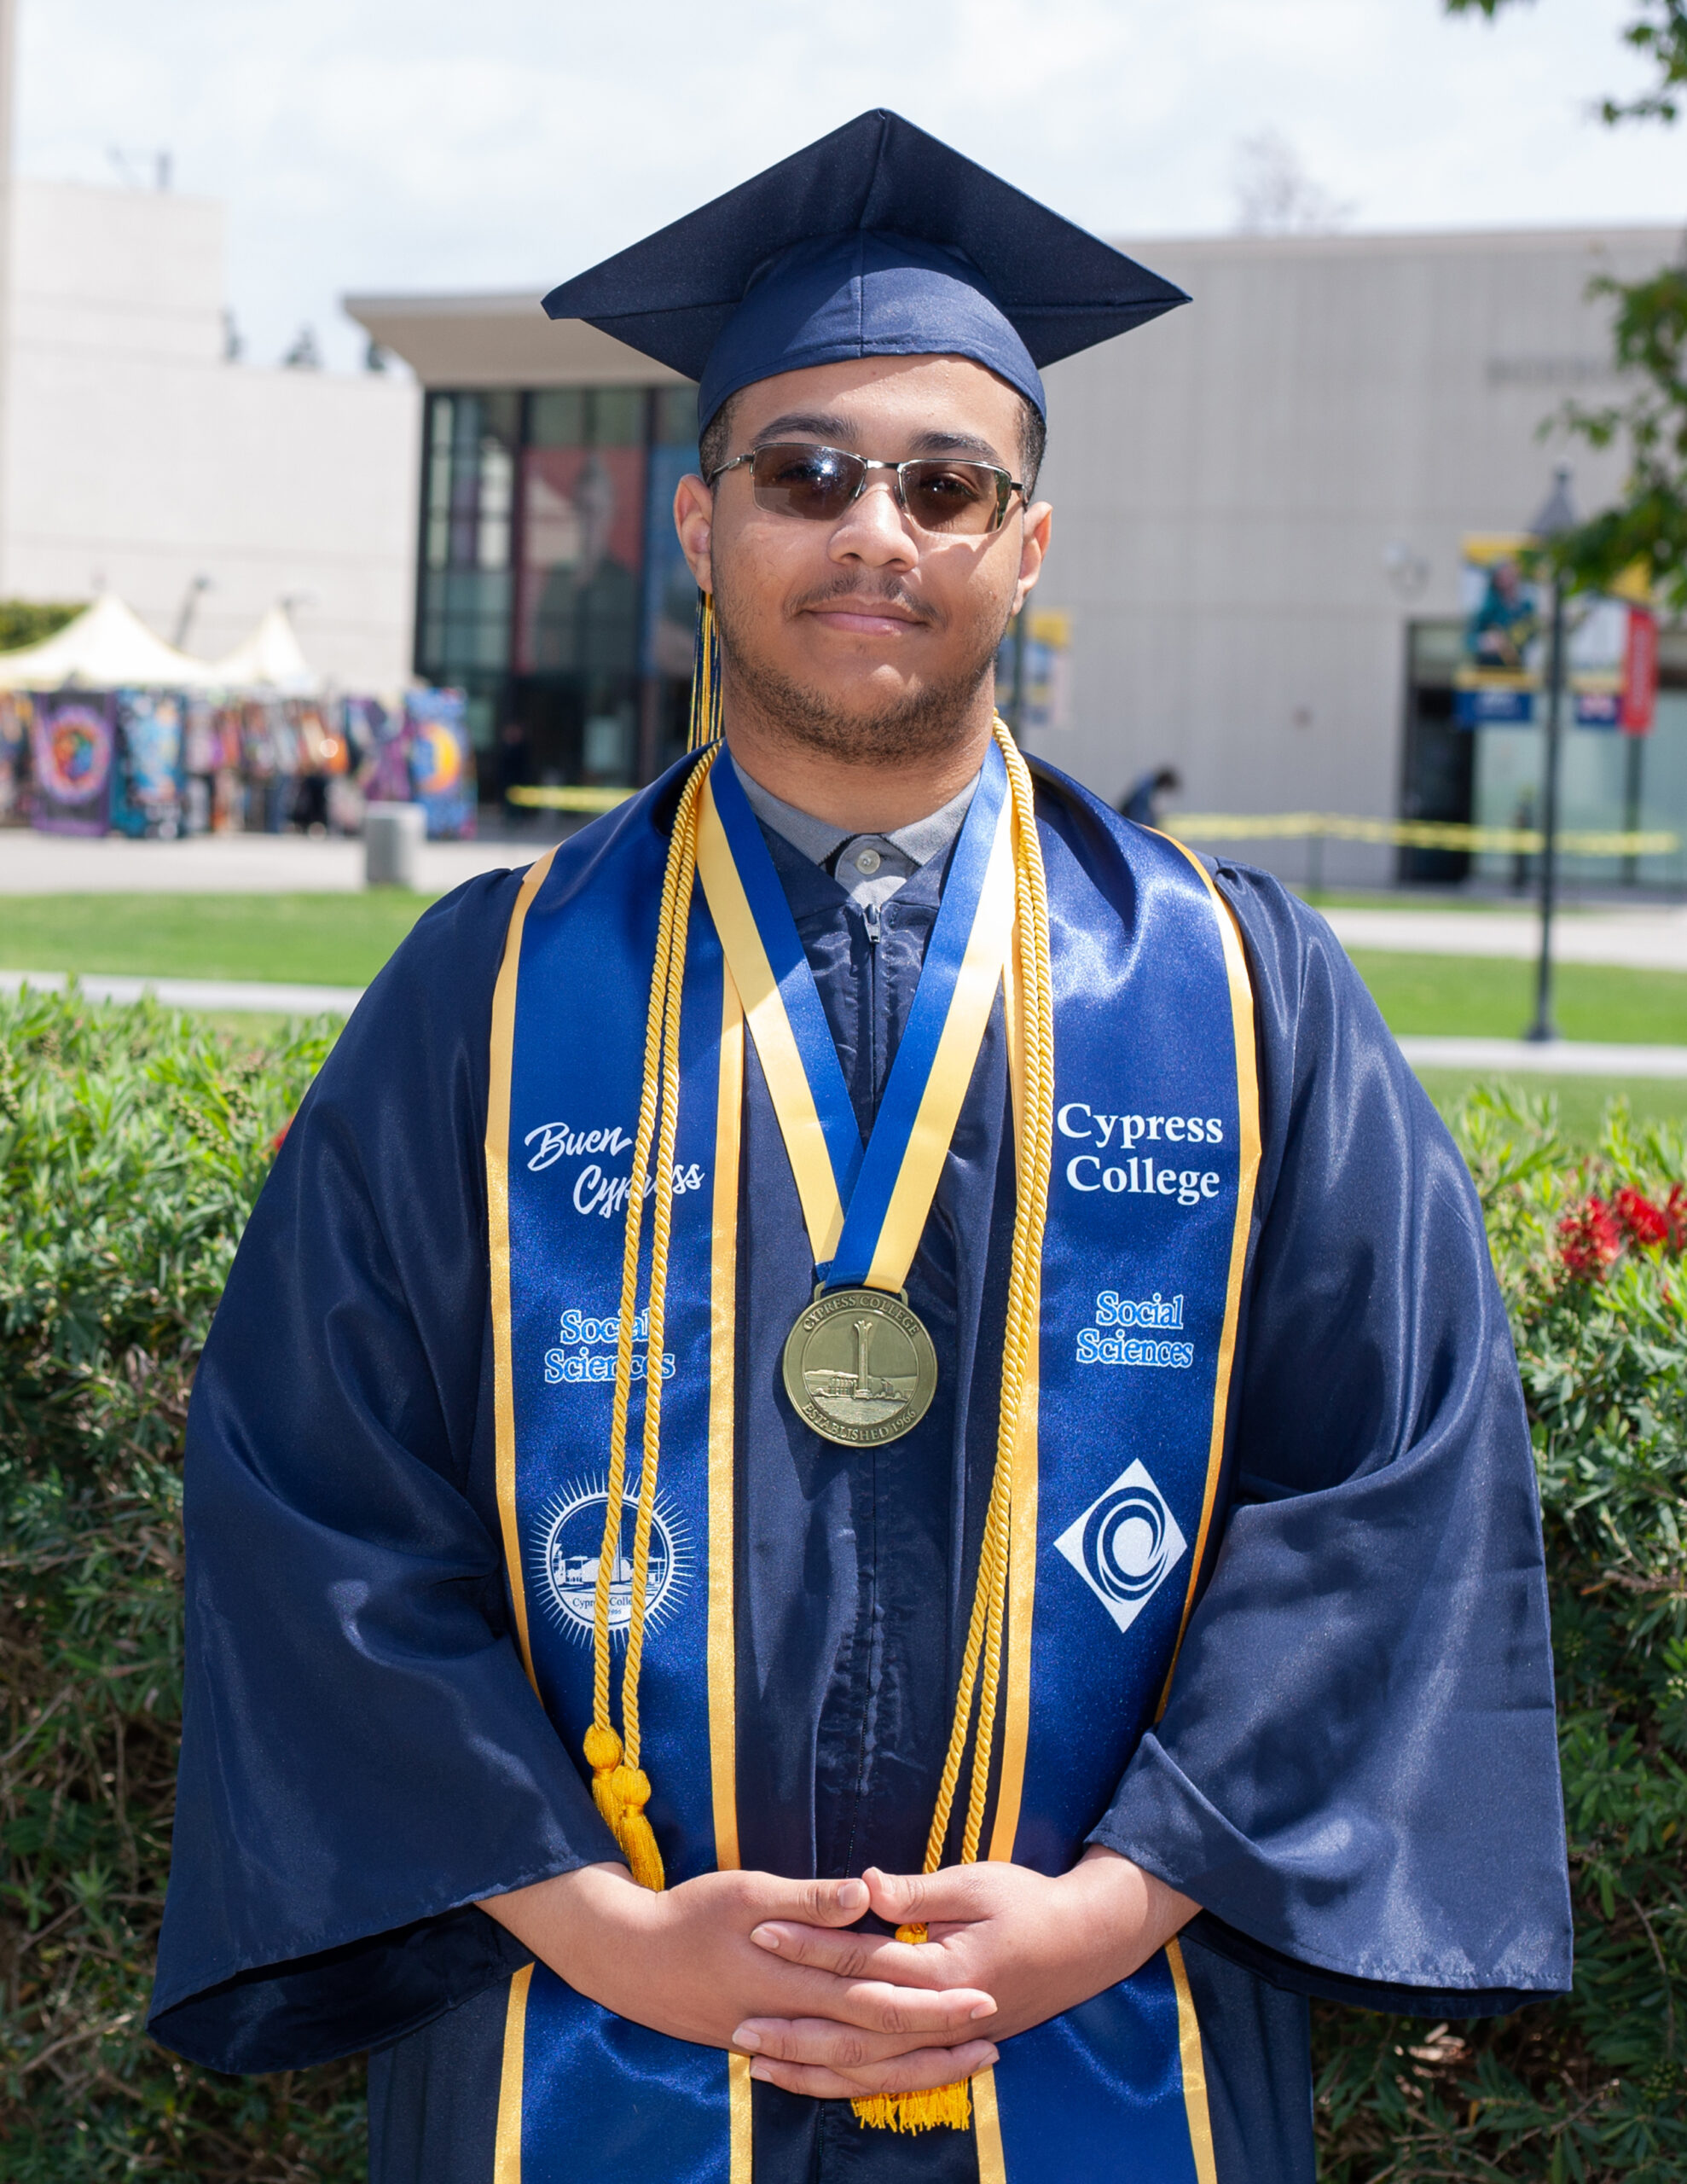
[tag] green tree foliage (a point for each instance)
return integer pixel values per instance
(1649, 525)
(31, 621)
(1658, 29)
(131, 1147)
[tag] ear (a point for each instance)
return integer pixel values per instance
(694, 520)
(1033, 545)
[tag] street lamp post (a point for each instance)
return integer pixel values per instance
(1557, 517)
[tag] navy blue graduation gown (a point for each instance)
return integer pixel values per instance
(363, 1756)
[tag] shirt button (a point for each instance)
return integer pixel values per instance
(867, 861)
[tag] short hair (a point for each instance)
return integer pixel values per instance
(717, 437)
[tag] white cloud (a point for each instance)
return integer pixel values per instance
(400, 143)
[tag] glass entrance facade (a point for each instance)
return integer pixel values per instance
(551, 587)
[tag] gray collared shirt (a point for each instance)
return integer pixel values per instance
(869, 868)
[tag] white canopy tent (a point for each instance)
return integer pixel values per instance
(270, 661)
(109, 648)
(106, 648)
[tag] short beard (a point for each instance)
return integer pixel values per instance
(921, 724)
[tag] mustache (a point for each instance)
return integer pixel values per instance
(868, 591)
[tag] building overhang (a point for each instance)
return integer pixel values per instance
(500, 341)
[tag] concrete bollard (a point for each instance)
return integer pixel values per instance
(392, 842)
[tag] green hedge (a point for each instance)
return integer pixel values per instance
(131, 1145)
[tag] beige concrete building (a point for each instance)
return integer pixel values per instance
(1260, 500)
(136, 457)
(1260, 494)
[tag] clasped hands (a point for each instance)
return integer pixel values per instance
(769, 1967)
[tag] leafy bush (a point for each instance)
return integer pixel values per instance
(131, 1147)
(1590, 1257)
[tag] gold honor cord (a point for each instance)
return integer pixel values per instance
(1033, 1054)
(619, 1785)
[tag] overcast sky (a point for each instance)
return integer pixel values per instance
(405, 144)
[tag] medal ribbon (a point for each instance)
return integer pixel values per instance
(864, 1208)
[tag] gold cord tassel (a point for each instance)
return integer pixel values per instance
(620, 1786)
(950, 2106)
(705, 678)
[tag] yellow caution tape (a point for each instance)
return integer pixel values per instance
(1275, 826)
(1410, 834)
(569, 800)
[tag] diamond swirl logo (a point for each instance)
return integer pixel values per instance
(1125, 1545)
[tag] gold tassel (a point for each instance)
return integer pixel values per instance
(603, 1757)
(634, 1832)
(705, 678)
(942, 2108)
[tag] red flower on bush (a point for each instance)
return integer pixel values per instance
(1596, 1234)
(1641, 1221)
(1588, 1241)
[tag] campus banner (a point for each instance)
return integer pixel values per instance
(442, 764)
(1610, 644)
(1496, 681)
(1640, 673)
(73, 749)
(146, 782)
(1034, 671)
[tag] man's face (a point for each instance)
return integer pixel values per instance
(866, 635)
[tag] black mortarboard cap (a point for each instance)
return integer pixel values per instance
(876, 241)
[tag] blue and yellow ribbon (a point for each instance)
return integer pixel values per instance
(865, 1207)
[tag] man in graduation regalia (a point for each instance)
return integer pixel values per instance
(861, 1500)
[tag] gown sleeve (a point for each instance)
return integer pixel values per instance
(1357, 1776)
(362, 1754)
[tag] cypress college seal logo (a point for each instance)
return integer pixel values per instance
(1125, 1545)
(565, 1554)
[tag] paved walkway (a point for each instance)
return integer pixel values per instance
(1651, 939)
(197, 993)
(228, 864)
(1554, 1058)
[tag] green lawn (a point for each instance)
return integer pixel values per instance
(327, 940)
(1484, 996)
(343, 940)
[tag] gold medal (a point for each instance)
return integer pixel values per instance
(860, 1368)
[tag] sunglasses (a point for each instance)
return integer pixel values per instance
(936, 493)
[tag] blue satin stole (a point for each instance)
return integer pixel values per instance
(1115, 1476)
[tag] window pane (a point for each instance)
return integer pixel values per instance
(557, 417)
(497, 488)
(500, 416)
(582, 558)
(619, 416)
(677, 416)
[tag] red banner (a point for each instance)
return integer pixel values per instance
(1640, 673)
